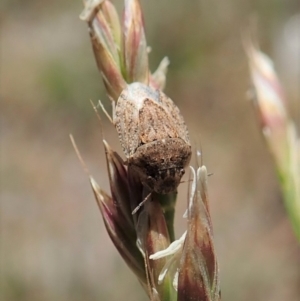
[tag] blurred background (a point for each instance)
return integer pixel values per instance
(53, 242)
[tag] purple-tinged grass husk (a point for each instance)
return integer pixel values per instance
(278, 129)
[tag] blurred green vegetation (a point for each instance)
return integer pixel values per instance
(53, 241)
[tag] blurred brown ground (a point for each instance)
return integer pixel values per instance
(53, 242)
